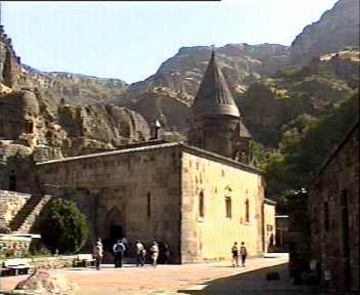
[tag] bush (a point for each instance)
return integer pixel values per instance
(62, 226)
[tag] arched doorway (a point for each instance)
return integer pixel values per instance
(114, 227)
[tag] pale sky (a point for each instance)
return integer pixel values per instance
(129, 40)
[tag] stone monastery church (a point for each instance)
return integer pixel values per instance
(199, 197)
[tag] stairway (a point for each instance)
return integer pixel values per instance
(26, 217)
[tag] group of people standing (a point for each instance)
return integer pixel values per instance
(154, 254)
(236, 252)
(121, 247)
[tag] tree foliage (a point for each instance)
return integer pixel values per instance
(306, 143)
(62, 226)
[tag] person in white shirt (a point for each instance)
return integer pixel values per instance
(98, 253)
(154, 250)
(140, 254)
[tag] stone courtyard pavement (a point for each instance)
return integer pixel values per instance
(197, 279)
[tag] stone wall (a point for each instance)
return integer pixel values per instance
(133, 192)
(282, 231)
(334, 214)
(214, 197)
(10, 204)
(49, 262)
(269, 226)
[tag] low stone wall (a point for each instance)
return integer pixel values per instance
(52, 262)
(14, 246)
(48, 262)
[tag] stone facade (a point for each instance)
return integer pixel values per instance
(282, 232)
(269, 225)
(334, 214)
(153, 191)
(221, 203)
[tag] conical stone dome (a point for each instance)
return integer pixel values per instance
(214, 96)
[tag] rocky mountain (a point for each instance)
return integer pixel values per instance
(168, 94)
(267, 88)
(59, 114)
(269, 105)
(241, 64)
(337, 29)
(72, 88)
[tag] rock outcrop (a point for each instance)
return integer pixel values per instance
(337, 29)
(25, 118)
(46, 282)
(75, 89)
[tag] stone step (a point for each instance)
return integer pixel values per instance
(25, 218)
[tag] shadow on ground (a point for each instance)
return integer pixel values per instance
(251, 283)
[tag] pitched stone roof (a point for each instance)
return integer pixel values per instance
(214, 96)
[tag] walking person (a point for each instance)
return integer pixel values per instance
(126, 244)
(98, 253)
(154, 250)
(235, 255)
(166, 253)
(243, 253)
(140, 254)
(119, 250)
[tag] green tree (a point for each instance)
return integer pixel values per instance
(306, 144)
(62, 226)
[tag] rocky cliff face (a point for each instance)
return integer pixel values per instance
(337, 28)
(59, 114)
(74, 89)
(25, 119)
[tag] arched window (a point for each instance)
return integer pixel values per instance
(326, 216)
(247, 211)
(201, 204)
(228, 207)
(148, 203)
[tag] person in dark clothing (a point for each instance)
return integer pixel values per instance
(119, 250)
(243, 253)
(164, 252)
(235, 254)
